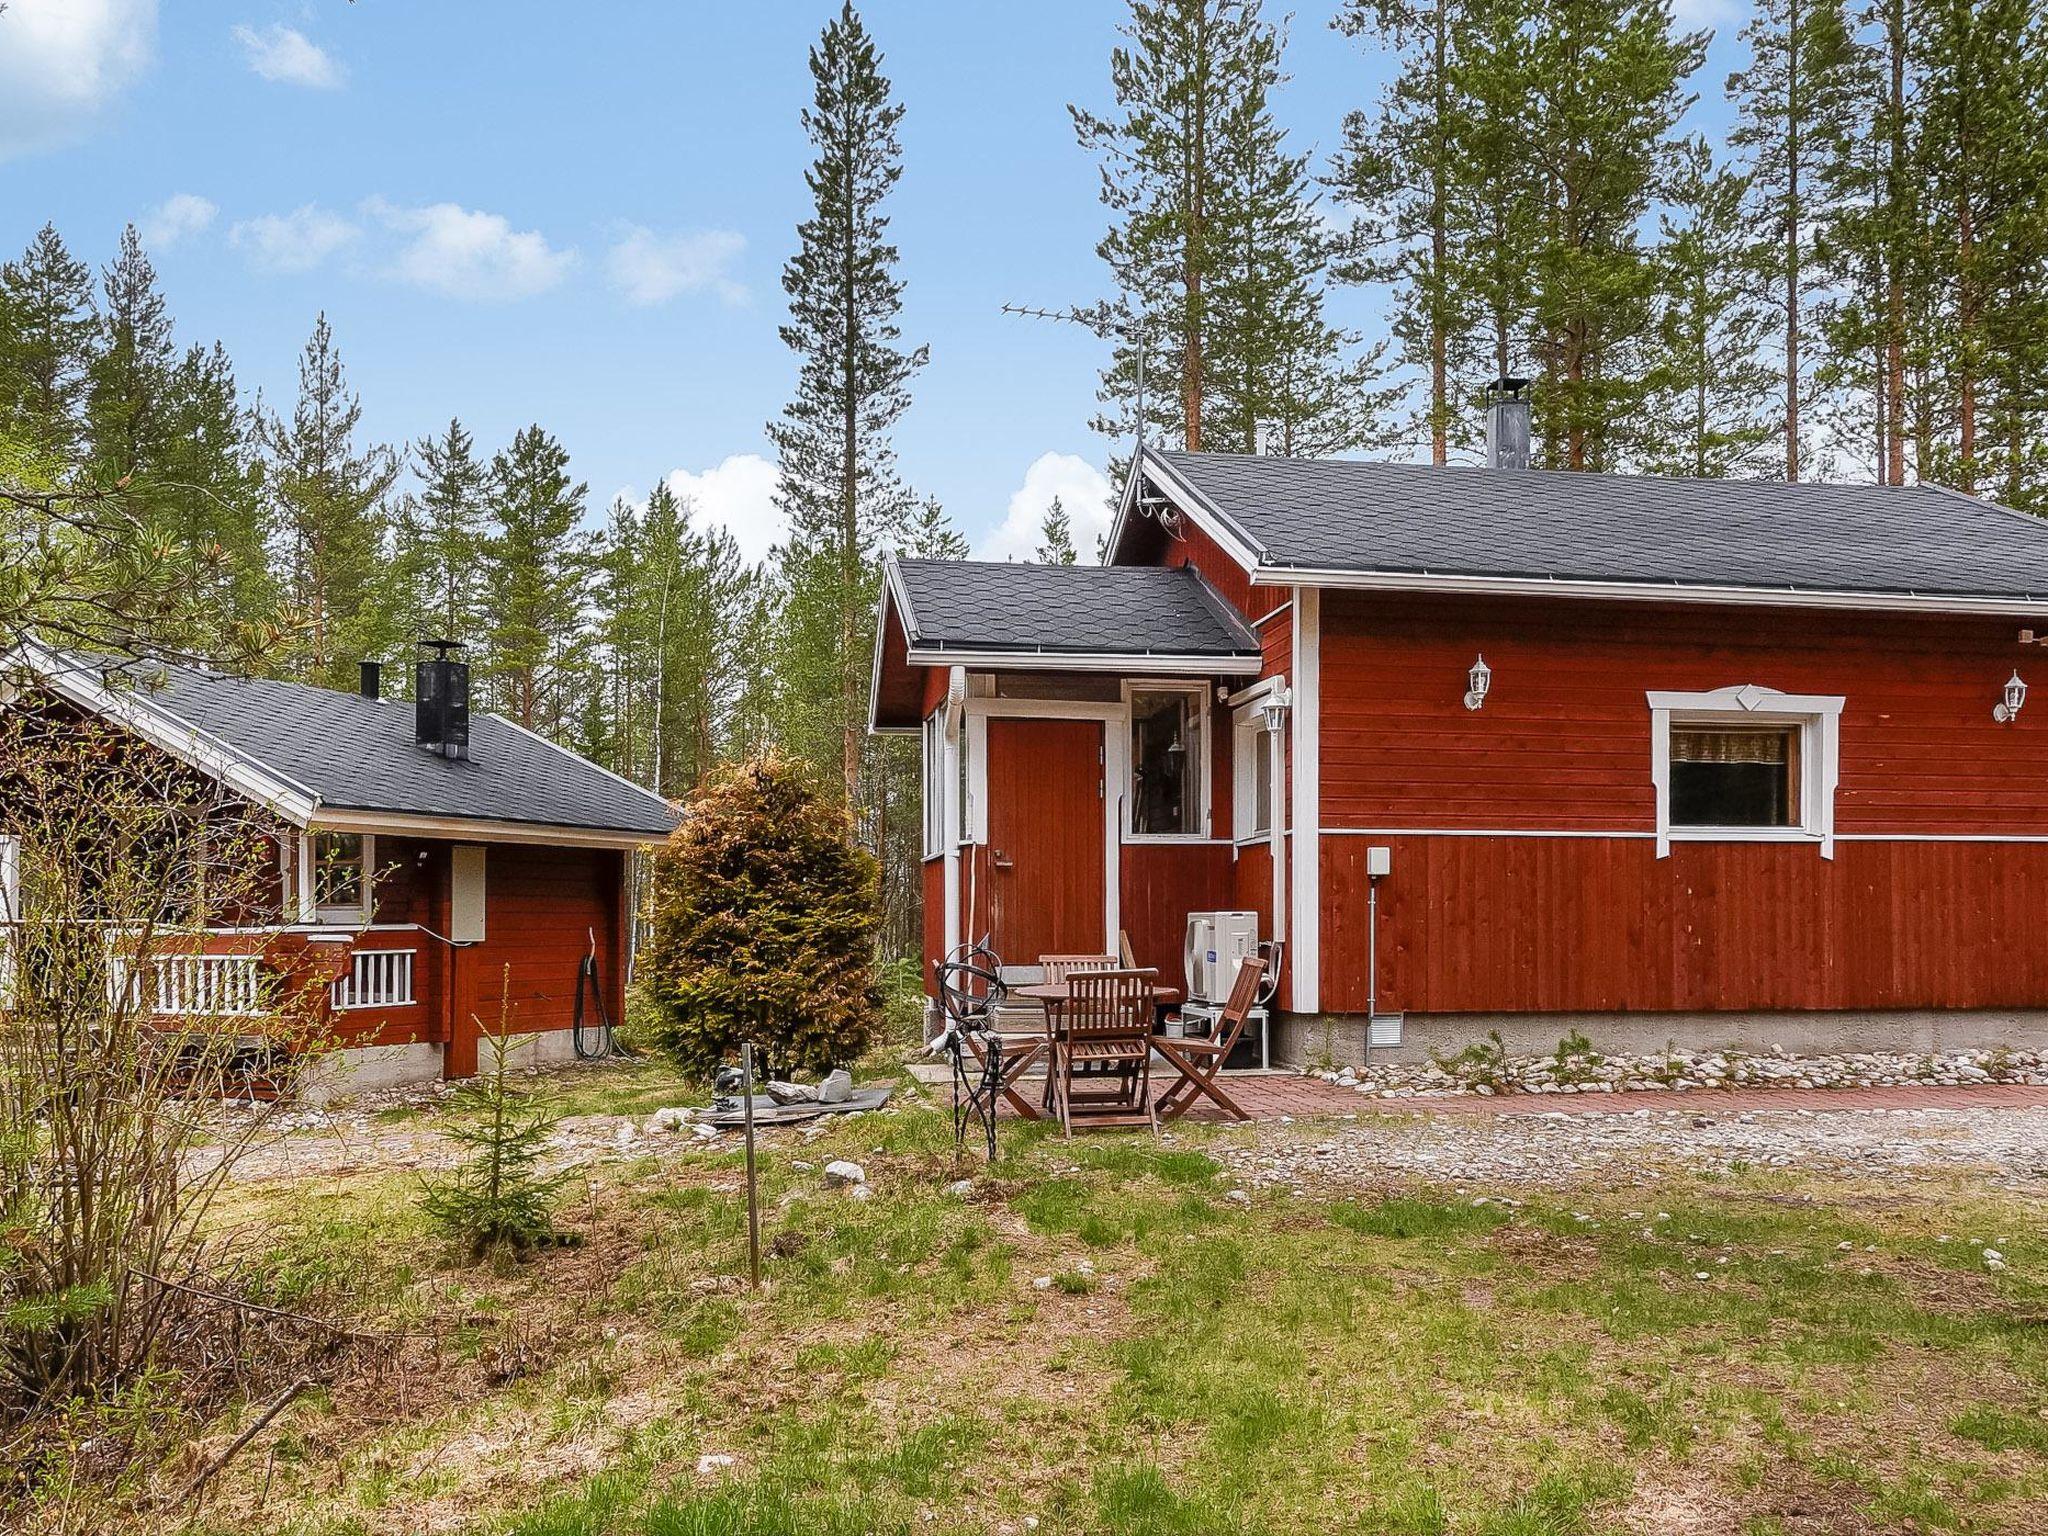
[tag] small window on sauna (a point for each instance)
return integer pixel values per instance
(341, 878)
(1734, 776)
(1166, 762)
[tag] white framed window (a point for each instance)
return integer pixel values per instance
(1168, 793)
(935, 783)
(10, 910)
(338, 873)
(1745, 764)
(1253, 750)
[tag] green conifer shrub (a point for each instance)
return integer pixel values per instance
(497, 1201)
(765, 920)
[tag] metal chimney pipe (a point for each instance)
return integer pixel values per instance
(1507, 424)
(373, 679)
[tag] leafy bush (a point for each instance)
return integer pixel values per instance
(764, 928)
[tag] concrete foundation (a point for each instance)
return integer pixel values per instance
(1311, 1039)
(374, 1068)
(370, 1069)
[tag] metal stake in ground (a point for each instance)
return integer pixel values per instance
(753, 1187)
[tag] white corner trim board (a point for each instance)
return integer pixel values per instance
(1304, 960)
(1819, 719)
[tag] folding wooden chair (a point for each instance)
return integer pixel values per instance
(1199, 1061)
(1058, 968)
(1105, 1024)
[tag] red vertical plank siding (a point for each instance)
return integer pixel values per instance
(1596, 922)
(1161, 884)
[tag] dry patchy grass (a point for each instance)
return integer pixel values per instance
(1401, 1361)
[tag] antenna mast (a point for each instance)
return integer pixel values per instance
(1105, 320)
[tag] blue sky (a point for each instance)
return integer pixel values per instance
(576, 213)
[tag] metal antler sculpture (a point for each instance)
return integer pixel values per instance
(970, 983)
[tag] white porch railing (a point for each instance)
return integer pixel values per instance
(205, 986)
(377, 978)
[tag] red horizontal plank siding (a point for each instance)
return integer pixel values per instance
(1476, 923)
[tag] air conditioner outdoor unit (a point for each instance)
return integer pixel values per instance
(1217, 944)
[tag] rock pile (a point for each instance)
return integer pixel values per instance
(1490, 1071)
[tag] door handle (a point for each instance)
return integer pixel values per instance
(996, 858)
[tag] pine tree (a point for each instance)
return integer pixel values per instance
(1282, 376)
(1985, 110)
(441, 532)
(1183, 70)
(46, 347)
(330, 519)
(128, 381)
(1401, 170)
(1608, 88)
(205, 492)
(1056, 537)
(538, 563)
(497, 1199)
(1707, 372)
(1793, 98)
(838, 482)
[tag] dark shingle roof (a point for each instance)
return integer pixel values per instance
(974, 605)
(358, 754)
(1329, 514)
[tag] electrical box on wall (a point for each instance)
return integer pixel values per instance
(466, 894)
(1379, 862)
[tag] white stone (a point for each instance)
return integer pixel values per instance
(840, 1171)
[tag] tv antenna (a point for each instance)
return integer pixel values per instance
(1109, 321)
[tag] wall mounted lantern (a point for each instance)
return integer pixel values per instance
(1273, 713)
(2015, 697)
(1480, 681)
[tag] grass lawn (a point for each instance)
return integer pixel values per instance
(1103, 1337)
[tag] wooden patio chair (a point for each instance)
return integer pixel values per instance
(1106, 1025)
(1058, 968)
(1199, 1061)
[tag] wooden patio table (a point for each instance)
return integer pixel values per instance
(1053, 996)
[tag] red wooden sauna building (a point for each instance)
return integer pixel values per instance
(425, 858)
(1664, 761)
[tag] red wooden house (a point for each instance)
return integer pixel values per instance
(1712, 762)
(418, 852)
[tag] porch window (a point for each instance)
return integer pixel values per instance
(1166, 762)
(341, 875)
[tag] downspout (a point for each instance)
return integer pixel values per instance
(955, 736)
(1275, 710)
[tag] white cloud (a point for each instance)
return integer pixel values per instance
(62, 62)
(293, 242)
(289, 57)
(1083, 490)
(468, 254)
(177, 217)
(737, 494)
(652, 269)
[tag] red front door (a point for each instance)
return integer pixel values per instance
(1045, 838)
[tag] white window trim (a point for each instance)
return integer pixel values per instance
(1200, 693)
(354, 915)
(1819, 719)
